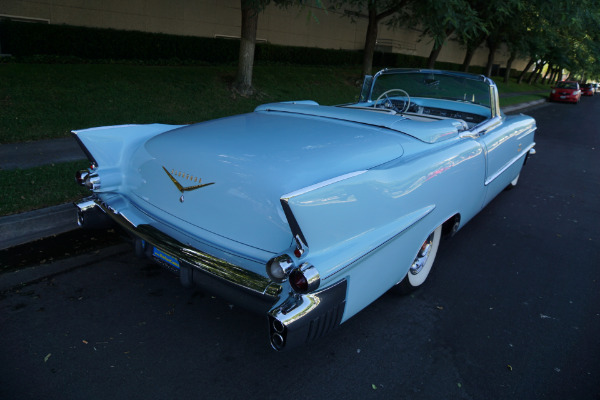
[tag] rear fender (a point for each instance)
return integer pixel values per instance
(108, 146)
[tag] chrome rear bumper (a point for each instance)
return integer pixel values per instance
(294, 319)
(226, 280)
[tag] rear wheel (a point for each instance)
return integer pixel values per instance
(421, 265)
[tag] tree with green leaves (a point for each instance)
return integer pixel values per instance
(560, 33)
(494, 15)
(440, 19)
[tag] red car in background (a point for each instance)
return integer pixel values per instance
(588, 89)
(567, 91)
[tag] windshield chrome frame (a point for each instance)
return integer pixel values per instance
(369, 84)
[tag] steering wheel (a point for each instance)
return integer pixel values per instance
(388, 103)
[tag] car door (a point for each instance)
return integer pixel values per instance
(506, 140)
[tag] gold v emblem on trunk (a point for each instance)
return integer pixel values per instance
(186, 188)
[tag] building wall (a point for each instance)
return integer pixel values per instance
(308, 26)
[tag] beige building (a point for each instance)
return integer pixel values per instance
(307, 26)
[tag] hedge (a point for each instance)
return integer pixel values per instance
(44, 42)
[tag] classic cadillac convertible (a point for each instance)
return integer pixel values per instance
(308, 213)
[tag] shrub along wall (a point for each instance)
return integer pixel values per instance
(26, 40)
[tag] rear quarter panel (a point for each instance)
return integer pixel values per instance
(368, 228)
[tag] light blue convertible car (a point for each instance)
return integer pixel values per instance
(308, 213)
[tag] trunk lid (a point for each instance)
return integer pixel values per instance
(226, 176)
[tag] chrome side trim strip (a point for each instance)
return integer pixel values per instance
(527, 132)
(524, 153)
(322, 184)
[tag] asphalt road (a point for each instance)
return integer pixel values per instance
(512, 311)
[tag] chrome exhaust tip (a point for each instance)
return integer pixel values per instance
(277, 341)
(278, 333)
(278, 326)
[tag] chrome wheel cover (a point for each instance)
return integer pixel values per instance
(423, 256)
(421, 265)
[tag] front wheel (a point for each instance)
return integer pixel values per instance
(421, 265)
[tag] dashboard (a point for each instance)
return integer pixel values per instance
(470, 118)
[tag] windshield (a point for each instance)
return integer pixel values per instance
(567, 85)
(472, 89)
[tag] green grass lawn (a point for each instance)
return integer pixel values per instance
(42, 101)
(39, 187)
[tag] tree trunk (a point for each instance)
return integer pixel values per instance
(558, 76)
(435, 52)
(492, 46)
(372, 32)
(552, 75)
(546, 74)
(370, 40)
(538, 67)
(513, 56)
(539, 74)
(468, 58)
(471, 50)
(243, 82)
(529, 64)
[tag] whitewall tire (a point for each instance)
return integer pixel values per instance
(422, 264)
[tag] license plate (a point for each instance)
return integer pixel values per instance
(165, 258)
(563, 97)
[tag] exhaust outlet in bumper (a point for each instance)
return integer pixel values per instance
(303, 318)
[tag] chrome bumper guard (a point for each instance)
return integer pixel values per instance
(224, 279)
(303, 318)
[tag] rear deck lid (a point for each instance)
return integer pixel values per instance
(226, 176)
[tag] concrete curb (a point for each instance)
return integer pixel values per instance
(33, 225)
(22, 277)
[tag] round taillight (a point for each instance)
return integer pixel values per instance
(81, 176)
(305, 279)
(298, 281)
(278, 268)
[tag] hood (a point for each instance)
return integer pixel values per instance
(227, 176)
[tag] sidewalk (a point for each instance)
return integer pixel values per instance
(29, 226)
